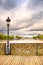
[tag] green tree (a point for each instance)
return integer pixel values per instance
(18, 37)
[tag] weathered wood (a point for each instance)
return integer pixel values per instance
(2, 48)
(27, 49)
(21, 60)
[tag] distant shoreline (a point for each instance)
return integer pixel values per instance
(23, 41)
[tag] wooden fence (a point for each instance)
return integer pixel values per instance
(2, 48)
(23, 49)
(27, 49)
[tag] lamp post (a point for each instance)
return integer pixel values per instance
(8, 45)
(36, 48)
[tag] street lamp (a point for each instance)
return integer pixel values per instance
(36, 48)
(8, 45)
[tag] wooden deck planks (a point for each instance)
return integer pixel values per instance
(21, 60)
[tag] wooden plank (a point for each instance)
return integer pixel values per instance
(21, 60)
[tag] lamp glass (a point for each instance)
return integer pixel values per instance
(8, 23)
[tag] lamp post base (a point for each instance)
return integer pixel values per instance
(7, 49)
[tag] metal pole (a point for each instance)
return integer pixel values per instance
(36, 48)
(8, 46)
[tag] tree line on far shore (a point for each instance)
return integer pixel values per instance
(39, 36)
(11, 37)
(5, 37)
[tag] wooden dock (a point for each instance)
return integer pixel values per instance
(20, 60)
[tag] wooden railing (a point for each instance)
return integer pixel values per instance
(27, 49)
(23, 49)
(2, 48)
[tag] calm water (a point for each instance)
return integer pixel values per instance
(14, 34)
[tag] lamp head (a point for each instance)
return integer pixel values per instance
(8, 21)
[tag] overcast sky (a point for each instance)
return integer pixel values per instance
(26, 16)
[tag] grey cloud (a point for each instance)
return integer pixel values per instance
(36, 30)
(26, 25)
(28, 22)
(10, 4)
(37, 16)
(34, 3)
(2, 25)
(0, 2)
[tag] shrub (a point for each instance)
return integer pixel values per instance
(4, 37)
(34, 37)
(39, 36)
(11, 37)
(18, 37)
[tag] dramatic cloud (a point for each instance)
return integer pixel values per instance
(26, 16)
(32, 4)
(37, 16)
(10, 4)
